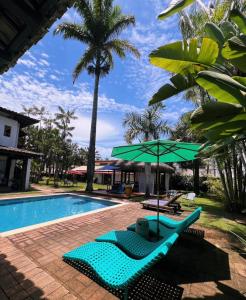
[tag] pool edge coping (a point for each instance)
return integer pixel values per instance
(60, 220)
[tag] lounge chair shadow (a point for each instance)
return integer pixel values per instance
(14, 283)
(193, 260)
(227, 292)
(146, 287)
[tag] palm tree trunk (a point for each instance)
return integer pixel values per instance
(92, 146)
(196, 164)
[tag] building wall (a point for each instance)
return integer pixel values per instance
(11, 141)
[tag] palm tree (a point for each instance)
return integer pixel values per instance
(62, 121)
(101, 24)
(145, 126)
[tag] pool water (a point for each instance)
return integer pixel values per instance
(18, 213)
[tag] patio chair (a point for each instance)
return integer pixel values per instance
(112, 266)
(168, 205)
(117, 189)
(168, 223)
(190, 197)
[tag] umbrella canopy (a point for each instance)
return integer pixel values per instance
(108, 168)
(132, 166)
(157, 151)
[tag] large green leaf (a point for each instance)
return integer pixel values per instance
(241, 80)
(219, 120)
(183, 57)
(228, 29)
(227, 130)
(213, 31)
(179, 84)
(235, 51)
(174, 7)
(237, 17)
(214, 112)
(222, 87)
(235, 47)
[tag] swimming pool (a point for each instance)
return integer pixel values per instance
(22, 212)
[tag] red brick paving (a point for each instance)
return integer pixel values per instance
(31, 265)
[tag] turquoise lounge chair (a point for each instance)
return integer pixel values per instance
(132, 243)
(112, 266)
(167, 223)
(138, 247)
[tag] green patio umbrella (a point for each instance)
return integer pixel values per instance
(157, 151)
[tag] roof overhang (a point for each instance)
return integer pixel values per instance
(23, 120)
(17, 153)
(23, 23)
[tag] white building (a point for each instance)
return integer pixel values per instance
(11, 124)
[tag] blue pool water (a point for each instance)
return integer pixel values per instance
(23, 212)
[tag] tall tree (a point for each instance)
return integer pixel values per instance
(100, 27)
(144, 127)
(62, 121)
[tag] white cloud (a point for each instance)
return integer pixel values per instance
(142, 78)
(26, 62)
(44, 62)
(54, 77)
(26, 89)
(45, 55)
(106, 130)
(70, 16)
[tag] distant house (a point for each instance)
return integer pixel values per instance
(15, 163)
(119, 171)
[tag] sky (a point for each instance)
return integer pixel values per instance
(43, 77)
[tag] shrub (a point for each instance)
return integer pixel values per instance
(183, 182)
(215, 187)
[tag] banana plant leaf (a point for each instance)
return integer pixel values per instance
(214, 112)
(215, 33)
(183, 57)
(219, 120)
(216, 148)
(222, 87)
(228, 29)
(225, 131)
(179, 84)
(174, 7)
(238, 18)
(235, 51)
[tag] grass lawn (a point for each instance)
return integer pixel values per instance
(215, 216)
(80, 186)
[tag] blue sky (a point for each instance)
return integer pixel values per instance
(42, 77)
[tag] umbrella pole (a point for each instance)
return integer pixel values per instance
(158, 190)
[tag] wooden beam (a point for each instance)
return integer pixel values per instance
(32, 20)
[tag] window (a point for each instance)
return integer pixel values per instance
(7, 130)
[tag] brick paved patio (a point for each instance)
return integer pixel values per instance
(31, 266)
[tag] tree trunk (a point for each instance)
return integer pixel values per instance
(196, 176)
(92, 146)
